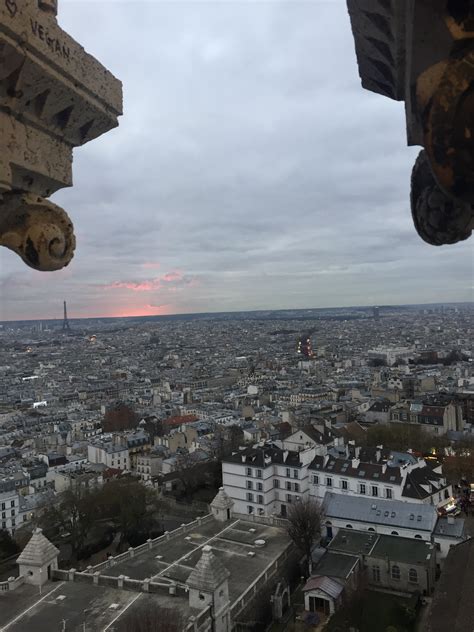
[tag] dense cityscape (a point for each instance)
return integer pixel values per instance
(366, 412)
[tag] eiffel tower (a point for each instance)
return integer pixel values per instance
(66, 326)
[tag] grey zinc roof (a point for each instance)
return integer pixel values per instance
(326, 584)
(451, 530)
(416, 516)
(208, 573)
(38, 551)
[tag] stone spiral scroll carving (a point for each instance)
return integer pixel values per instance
(37, 230)
(439, 219)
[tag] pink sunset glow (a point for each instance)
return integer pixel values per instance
(147, 285)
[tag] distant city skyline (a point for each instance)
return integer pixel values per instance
(250, 171)
(326, 308)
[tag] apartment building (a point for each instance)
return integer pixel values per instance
(9, 511)
(111, 451)
(412, 481)
(265, 479)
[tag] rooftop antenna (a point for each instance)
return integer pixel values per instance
(66, 326)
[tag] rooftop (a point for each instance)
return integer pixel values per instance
(404, 550)
(396, 513)
(174, 560)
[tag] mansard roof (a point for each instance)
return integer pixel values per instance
(256, 456)
(365, 471)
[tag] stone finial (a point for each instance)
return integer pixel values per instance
(209, 572)
(221, 506)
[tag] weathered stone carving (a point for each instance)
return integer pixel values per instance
(422, 52)
(438, 218)
(53, 97)
(37, 230)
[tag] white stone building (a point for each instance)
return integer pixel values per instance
(264, 480)
(9, 511)
(112, 452)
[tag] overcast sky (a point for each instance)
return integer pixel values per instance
(250, 171)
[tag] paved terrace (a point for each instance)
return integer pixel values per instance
(101, 596)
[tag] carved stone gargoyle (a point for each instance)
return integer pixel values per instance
(422, 52)
(53, 97)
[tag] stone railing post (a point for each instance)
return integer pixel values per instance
(96, 577)
(131, 551)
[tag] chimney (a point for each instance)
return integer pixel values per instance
(285, 456)
(378, 455)
(357, 451)
(355, 463)
(384, 468)
(243, 458)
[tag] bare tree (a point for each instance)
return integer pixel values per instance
(304, 528)
(153, 618)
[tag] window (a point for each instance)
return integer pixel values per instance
(343, 484)
(248, 471)
(288, 473)
(348, 526)
(276, 482)
(396, 573)
(249, 485)
(260, 487)
(13, 512)
(394, 533)
(375, 490)
(259, 474)
(295, 474)
(13, 522)
(316, 479)
(446, 493)
(376, 573)
(12, 503)
(288, 486)
(418, 537)
(249, 509)
(362, 488)
(297, 487)
(288, 498)
(260, 499)
(250, 497)
(328, 481)
(413, 576)
(3, 505)
(388, 493)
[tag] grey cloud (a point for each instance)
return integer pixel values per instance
(250, 159)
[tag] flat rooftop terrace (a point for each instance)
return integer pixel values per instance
(102, 607)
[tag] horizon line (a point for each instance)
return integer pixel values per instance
(240, 311)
